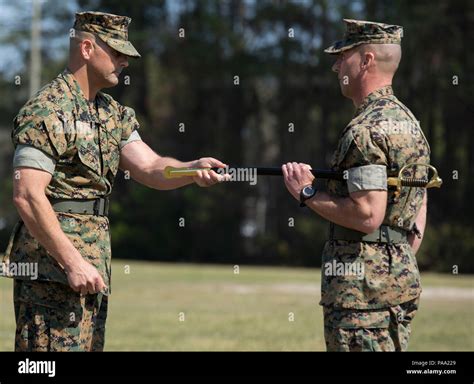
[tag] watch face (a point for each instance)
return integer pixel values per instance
(308, 191)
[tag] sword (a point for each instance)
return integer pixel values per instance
(395, 182)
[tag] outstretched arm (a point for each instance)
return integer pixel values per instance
(147, 167)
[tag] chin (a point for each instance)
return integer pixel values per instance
(345, 92)
(111, 82)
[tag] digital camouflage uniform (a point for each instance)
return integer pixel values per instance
(374, 313)
(83, 140)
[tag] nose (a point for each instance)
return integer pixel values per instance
(122, 60)
(336, 65)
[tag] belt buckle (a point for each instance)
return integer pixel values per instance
(98, 206)
(101, 206)
(106, 206)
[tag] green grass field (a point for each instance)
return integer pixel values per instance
(180, 307)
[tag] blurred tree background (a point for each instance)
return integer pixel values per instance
(286, 106)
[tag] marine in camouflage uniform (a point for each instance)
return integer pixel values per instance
(79, 142)
(375, 312)
(82, 140)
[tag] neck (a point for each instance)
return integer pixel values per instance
(82, 77)
(367, 88)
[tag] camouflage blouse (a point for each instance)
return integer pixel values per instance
(83, 138)
(382, 132)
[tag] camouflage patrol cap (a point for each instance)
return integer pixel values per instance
(366, 32)
(111, 29)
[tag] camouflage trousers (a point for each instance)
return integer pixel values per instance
(51, 317)
(387, 329)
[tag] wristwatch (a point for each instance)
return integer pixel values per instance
(307, 193)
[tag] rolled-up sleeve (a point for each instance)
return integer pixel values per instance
(31, 157)
(366, 178)
(135, 136)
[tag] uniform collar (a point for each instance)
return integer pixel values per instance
(84, 107)
(75, 88)
(371, 97)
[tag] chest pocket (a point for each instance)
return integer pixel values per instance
(342, 148)
(110, 135)
(110, 140)
(98, 147)
(87, 144)
(335, 186)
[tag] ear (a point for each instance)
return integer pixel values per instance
(367, 60)
(87, 46)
